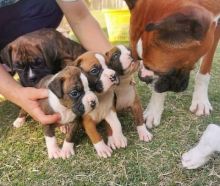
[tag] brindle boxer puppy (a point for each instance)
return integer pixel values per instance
(70, 96)
(170, 37)
(101, 81)
(37, 54)
(119, 59)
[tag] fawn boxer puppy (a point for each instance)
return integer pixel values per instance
(170, 37)
(119, 59)
(101, 81)
(70, 96)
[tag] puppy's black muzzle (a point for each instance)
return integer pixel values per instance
(78, 109)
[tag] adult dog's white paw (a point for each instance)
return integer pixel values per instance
(102, 149)
(200, 101)
(194, 159)
(152, 114)
(144, 134)
(67, 150)
(52, 148)
(117, 141)
(19, 122)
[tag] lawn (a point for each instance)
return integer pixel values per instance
(23, 156)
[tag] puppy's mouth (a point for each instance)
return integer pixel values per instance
(79, 109)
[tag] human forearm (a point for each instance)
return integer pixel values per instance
(85, 26)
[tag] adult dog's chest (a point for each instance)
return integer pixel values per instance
(105, 106)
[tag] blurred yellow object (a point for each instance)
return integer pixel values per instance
(117, 21)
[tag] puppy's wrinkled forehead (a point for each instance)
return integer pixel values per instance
(91, 59)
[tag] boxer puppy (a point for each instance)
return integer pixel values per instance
(119, 59)
(101, 81)
(39, 53)
(170, 42)
(200, 154)
(70, 96)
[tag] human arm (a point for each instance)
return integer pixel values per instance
(25, 97)
(84, 25)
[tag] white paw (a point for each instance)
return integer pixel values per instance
(117, 141)
(67, 150)
(154, 110)
(103, 150)
(52, 148)
(200, 101)
(19, 122)
(201, 106)
(144, 134)
(194, 159)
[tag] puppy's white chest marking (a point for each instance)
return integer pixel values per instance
(140, 48)
(104, 107)
(66, 114)
(125, 96)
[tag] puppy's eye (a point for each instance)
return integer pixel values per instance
(38, 62)
(19, 65)
(74, 94)
(94, 71)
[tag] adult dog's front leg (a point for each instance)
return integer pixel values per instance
(117, 140)
(154, 110)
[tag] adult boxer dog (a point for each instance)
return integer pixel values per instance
(119, 59)
(101, 81)
(170, 37)
(37, 54)
(70, 96)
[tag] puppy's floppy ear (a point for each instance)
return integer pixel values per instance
(189, 23)
(77, 62)
(56, 86)
(131, 3)
(6, 56)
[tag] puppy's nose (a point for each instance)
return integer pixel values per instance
(113, 77)
(93, 104)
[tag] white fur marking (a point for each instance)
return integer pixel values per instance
(102, 149)
(144, 134)
(66, 114)
(125, 57)
(200, 101)
(117, 135)
(84, 82)
(52, 148)
(140, 48)
(154, 110)
(67, 150)
(19, 122)
(30, 73)
(200, 154)
(101, 59)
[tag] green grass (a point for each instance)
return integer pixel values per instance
(23, 157)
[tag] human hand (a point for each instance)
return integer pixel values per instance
(27, 98)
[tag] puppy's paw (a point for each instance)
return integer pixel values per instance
(103, 150)
(117, 141)
(52, 148)
(152, 117)
(201, 106)
(193, 159)
(54, 152)
(144, 134)
(19, 122)
(67, 150)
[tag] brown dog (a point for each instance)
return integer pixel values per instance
(170, 37)
(101, 81)
(119, 59)
(70, 96)
(37, 54)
